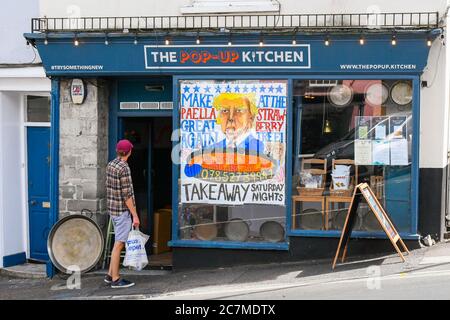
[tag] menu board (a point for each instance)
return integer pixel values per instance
(364, 192)
(378, 211)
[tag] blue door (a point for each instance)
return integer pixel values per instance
(38, 153)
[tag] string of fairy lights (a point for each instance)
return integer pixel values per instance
(167, 40)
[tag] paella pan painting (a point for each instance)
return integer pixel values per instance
(233, 138)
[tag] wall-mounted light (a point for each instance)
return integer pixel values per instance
(46, 40)
(394, 40)
(75, 41)
(429, 42)
(327, 41)
(135, 40)
(230, 43)
(106, 40)
(197, 41)
(167, 41)
(261, 41)
(294, 40)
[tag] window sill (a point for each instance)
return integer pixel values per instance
(355, 234)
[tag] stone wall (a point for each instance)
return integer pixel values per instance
(83, 151)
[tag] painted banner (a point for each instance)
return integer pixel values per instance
(233, 142)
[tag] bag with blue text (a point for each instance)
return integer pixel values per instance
(136, 256)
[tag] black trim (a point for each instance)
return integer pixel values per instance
(432, 186)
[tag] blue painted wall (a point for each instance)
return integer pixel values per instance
(122, 57)
(134, 90)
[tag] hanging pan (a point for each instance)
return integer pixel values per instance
(75, 241)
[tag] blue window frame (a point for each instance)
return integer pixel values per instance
(411, 232)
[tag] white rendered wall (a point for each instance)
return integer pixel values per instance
(15, 17)
(434, 106)
(24, 79)
(83, 8)
(13, 232)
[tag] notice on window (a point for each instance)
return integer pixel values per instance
(362, 127)
(380, 127)
(380, 132)
(363, 152)
(380, 152)
(399, 152)
(398, 127)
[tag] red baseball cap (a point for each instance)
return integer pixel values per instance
(124, 146)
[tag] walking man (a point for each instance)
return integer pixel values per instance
(121, 207)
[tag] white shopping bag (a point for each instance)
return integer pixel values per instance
(136, 256)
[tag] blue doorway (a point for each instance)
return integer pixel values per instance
(38, 159)
(151, 170)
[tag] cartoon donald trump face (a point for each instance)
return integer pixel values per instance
(236, 114)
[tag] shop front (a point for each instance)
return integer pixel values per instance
(254, 142)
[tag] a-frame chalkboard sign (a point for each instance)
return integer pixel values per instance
(363, 191)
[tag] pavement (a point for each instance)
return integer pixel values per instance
(234, 282)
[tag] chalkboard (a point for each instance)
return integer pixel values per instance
(363, 191)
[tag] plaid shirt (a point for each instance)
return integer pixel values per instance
(119, 186)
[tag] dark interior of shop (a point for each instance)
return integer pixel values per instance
(151, 170)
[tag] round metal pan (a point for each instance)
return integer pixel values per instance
(205, 230)
(75, 241)
(272, 231)
(237, 230)
(311, 219)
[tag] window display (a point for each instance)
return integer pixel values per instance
(370, 142)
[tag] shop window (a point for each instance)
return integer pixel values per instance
(348, 132)
(38, 109)
(233, 152)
